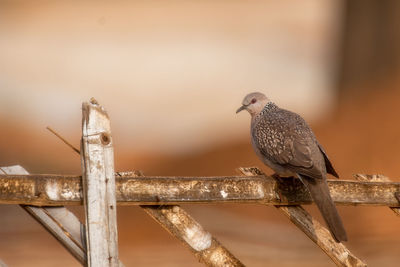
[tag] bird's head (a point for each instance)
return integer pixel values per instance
(254, 103)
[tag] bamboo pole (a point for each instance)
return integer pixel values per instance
(97, 158)
(58, 190)
(321, 236)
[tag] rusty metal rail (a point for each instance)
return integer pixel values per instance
(56, 190)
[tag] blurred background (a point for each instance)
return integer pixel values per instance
(171, 75)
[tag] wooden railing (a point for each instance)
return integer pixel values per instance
(100, 189)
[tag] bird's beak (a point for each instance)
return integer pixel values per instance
(240, 109)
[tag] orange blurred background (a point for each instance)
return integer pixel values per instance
(171, 75)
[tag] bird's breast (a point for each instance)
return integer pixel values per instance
(279, 169)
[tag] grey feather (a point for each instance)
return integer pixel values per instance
(320, 193)
(284, 138)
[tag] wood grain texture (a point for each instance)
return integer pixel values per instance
(97, 157)
(182, 226)
(206, 248)
(58, 221)
(321, 236)
(58, 190)
(379, 178)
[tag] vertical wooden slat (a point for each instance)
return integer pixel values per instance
(321, 236)
(58, 221)
(97, 157)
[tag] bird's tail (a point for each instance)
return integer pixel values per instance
(320, 193)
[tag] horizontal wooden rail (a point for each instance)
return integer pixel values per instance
(56, 190)
(321, 236)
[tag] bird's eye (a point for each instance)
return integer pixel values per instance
(253, 100)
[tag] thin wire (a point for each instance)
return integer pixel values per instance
(62, 139)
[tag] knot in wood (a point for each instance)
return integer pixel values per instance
(105, 138)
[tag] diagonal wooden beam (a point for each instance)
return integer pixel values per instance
(58, 221)
(338, 253)
(182, 226)
(206, 248)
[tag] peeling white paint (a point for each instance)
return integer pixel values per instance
(15, 169)
(260, 190)
(66, 194)
(52, 191)
(192, 233)
(174, 218)
(197, 238)
(343, 256)
(223, 193)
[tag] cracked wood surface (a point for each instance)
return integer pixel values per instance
(59, 190)
(379, 178)
(182, 226)
(201, 243)
(58, 221)
(97, 157)
(321, 236)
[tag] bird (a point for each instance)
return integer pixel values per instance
(284, 142)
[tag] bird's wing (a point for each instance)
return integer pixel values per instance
(328, 164)
(287, 147)
(302, 161)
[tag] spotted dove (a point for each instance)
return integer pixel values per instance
(284, 142)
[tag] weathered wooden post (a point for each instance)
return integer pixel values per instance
(97, 157)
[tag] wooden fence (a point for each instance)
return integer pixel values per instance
(100, 189)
